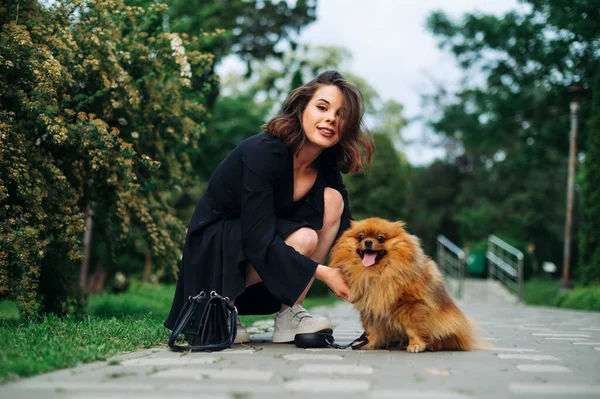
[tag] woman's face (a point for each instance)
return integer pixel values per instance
(321, 117)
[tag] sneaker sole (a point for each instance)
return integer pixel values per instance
(284, 337)
(241, 337)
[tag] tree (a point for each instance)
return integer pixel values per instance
(101, 111)
(382, 190)
(589, 261)
(512, 130)
(431, 202)
(252, 30)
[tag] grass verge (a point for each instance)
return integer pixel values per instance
(544, 292)
(116, 324)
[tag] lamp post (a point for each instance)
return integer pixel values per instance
(574, 96)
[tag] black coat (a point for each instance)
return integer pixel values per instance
(244, 215)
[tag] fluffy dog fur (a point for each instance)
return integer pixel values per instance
(401, 297)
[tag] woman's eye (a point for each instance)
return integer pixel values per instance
(361, 237)
(380, 239)
(322, 108)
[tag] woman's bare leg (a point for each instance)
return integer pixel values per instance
(334, 206)
(315, 245)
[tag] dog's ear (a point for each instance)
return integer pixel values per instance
(353, 223)
(400, 224)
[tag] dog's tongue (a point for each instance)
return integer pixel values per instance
(369, 259)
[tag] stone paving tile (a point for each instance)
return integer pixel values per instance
(326, 385)
(336, 369)
(543, 368)
(532, 358)
(555, 389)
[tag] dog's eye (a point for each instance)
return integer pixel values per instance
(361, 237)
(381, 239)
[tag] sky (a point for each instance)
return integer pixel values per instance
(392, 49)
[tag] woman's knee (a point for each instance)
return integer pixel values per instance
(303, 240)
(334, 206)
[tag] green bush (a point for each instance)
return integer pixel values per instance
(540, 292)
(587, 298)
(588, 269)
(102, 109)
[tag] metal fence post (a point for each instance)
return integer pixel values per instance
(521, 277)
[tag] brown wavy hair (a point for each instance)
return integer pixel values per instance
(355, 145)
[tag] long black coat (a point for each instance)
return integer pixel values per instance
(244, 216)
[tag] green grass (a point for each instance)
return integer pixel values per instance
(540, 292)
(30, 348)
(585, 298)
(116, 324)
(544, 292)
(142, 300)
(9, 310)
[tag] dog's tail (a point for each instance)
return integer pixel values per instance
(477, 338)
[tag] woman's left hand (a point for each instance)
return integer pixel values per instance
(334, 279)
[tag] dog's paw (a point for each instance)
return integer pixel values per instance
(416, 347)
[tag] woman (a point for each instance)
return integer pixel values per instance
(274, 207)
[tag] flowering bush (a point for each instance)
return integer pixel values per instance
(100, 109)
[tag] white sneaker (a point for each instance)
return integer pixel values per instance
(297, 320)
(241, 336)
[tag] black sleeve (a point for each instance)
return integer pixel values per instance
(285, 272)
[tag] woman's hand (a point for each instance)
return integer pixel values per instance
(334, 280)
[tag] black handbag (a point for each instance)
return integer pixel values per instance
(208, 323)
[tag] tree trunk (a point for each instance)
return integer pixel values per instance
(147, 266)
(95, 284)
(87, 240)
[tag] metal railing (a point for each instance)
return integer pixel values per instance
(451, 260)
(505, 263)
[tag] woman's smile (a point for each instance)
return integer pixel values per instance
(326, 131)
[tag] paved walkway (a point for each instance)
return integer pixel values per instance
(539, 353)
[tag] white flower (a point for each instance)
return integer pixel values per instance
(181, 58)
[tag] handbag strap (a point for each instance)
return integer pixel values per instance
(186, 314)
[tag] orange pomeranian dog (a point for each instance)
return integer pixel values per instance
(398, 290)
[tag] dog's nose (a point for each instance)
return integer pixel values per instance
(368, 243)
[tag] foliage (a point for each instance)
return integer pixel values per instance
(382, 190)
(589, 233)
(252, 30)
(544, 292)
(540, 292)
(101, 109)
(587, 298)
(141, 300)
(430, 208)
(510, 134)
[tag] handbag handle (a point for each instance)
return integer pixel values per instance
(184, 317)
